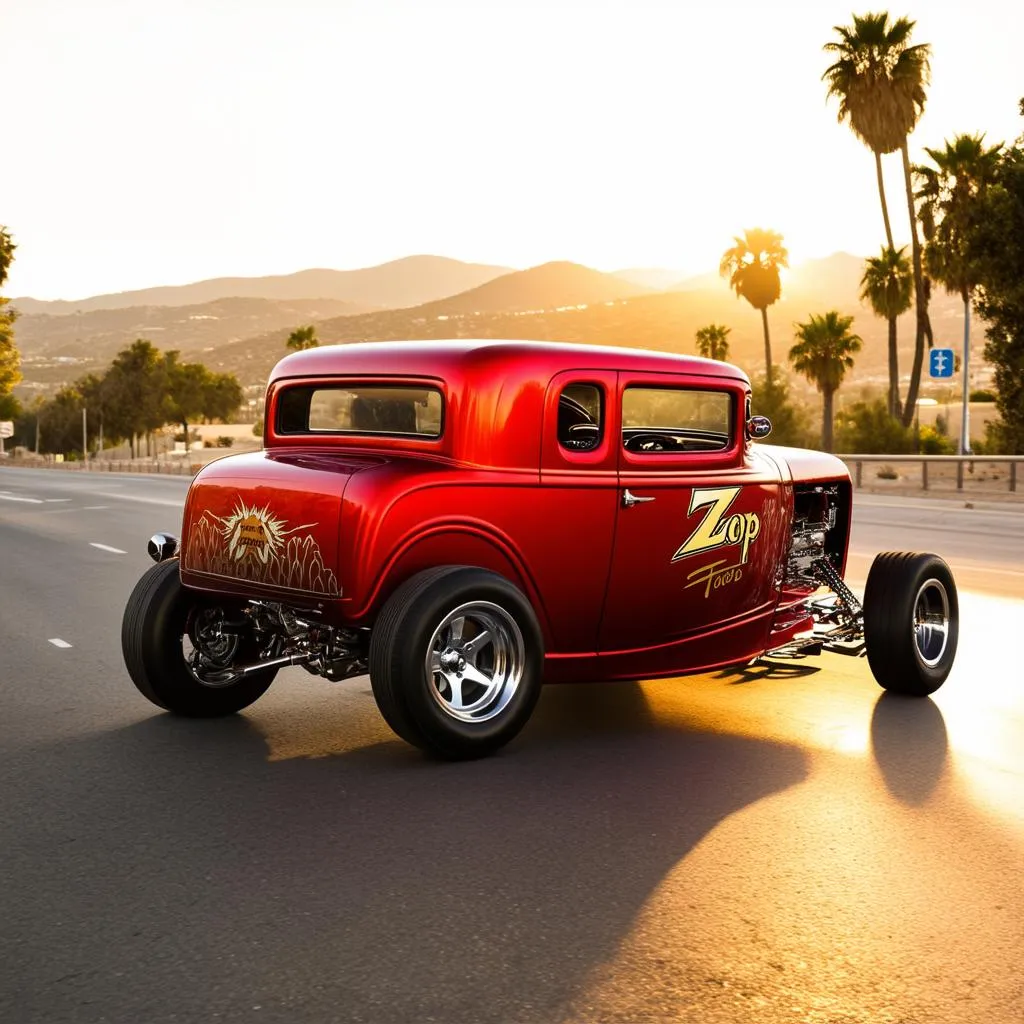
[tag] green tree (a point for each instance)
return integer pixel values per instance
(186, 391)
(823, 353)
(949, 190)
(7, 248)
(137, 387)
(790, 422)
(995, 252)
(10, 360)
(879, 79)
(302, 338)
(713, 341)
(752, 266)
(61, 421)
(223, 397)
(99, 395)
(886, 284)
(194, 393)
(868, 428)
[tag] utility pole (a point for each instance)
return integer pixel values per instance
(965, 418)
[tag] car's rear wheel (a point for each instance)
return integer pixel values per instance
(178, 654)
(456, 661)
(911, 622)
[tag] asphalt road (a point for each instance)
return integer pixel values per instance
(783, 844)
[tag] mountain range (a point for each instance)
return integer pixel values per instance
(557, 301)
(405, 282)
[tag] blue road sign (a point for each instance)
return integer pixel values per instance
(941, 362)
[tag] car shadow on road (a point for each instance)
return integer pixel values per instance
(910, 746)
(177, 870)
(795, 667)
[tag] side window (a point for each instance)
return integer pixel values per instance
(659, 421)
(580, 417)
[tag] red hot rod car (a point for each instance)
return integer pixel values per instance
(465, 520)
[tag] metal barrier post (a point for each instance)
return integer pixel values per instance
(924, 475)
(1013, 476)
(860, 470)
(960, 475)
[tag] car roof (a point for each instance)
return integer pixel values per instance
(449, 358)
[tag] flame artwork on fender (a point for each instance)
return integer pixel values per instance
(255, 545)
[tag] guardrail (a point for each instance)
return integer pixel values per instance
(856, 464)
(163, 467)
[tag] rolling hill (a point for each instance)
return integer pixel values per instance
(54, 348)
(548, 286)
(663, 320)
(406, 282)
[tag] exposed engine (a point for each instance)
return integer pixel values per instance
(818, 534)
(821, 522)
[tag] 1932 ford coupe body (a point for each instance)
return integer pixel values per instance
(465, 520)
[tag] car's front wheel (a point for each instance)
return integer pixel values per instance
(911, 622)
(456, 661)
(180, 655)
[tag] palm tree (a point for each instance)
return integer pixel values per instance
(886, 285)
(823, 353)
(713, 341)
(948, 191)
(302, 338)
(752, 266)
(880, 79)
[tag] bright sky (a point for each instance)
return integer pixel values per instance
(158, 143)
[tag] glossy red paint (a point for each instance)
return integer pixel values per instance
(685, 580)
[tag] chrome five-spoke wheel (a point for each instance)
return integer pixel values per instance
(476, 661)
(457, 660)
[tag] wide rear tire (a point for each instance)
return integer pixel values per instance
(155, 622)
(456, 661)
(911, 622)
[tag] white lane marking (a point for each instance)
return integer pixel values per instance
(145, 501)
(92, 508)
(51, 501)
(11, 497)
(106, 547)
(57, 642)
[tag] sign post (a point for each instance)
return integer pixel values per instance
(941, 365)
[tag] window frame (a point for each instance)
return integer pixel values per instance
(602, 423)
(731, 455)
(364, 384)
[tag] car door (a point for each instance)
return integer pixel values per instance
(697, 538)
(574, 508)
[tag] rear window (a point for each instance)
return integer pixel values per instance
(361, 409)
(659, 421)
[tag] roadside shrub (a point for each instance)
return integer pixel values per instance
(225, 442)
(866, 428)
(1000, 441)
(982, 395)
(887, 473)
(934, 442)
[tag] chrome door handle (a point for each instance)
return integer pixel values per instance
(629, 500)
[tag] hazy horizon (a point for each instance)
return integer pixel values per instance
(244, 140)
(684, 276)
